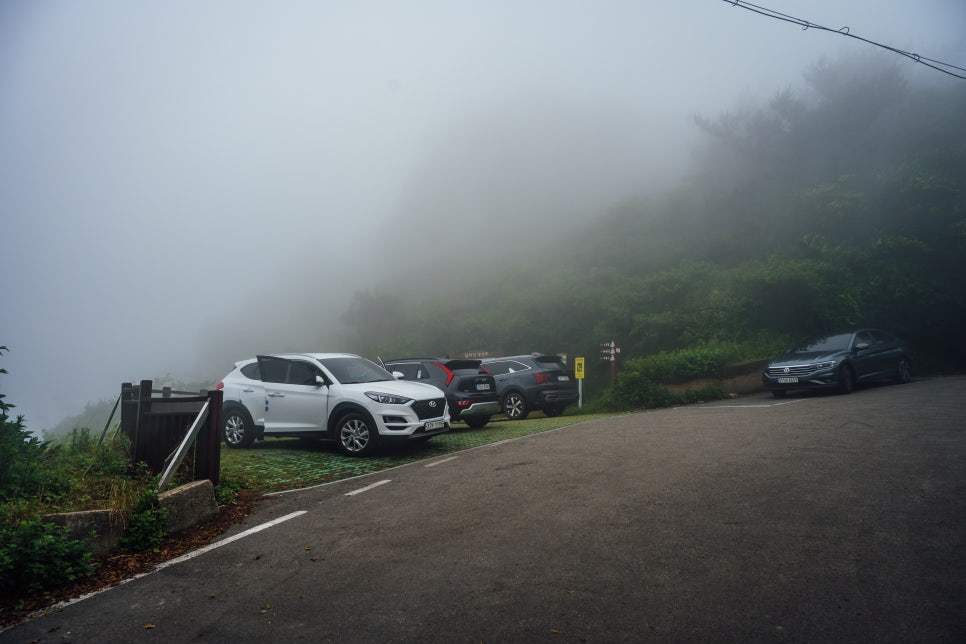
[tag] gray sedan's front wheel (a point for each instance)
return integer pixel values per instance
(356, 434)
(846, 380)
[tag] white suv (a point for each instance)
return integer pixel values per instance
(337, 396)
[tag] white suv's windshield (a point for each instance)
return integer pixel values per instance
(349, 371)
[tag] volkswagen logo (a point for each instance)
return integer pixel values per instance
(786, 369)
(432, 403)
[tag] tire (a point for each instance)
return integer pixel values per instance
(515, 406)
(903, 372)
(551, 411)
(355, 433)
(778, 393)
(477, 421)
(237, 427)
(846, 380)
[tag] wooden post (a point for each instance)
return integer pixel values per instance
(129, 410)
(144, 406)
(207, 444)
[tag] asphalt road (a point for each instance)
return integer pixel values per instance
(817, 518)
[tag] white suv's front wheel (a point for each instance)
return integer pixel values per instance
(356, 434)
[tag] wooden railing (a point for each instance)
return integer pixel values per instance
(165, 430)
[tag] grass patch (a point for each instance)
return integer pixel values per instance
(287, 463)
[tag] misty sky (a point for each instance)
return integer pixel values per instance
(186, 183)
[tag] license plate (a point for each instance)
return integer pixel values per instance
(786, 381)
(435, 424)
(483, 386)
(563, 378)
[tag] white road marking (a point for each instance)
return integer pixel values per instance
(162, 565)
(774, 404)
(367, 488)
(224, 542)
(445, 460)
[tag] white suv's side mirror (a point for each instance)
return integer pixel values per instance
(398, 375)
(319, 381)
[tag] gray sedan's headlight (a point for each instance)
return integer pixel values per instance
(388, 399)
(825, 365)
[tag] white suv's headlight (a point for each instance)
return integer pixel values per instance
(388, 399)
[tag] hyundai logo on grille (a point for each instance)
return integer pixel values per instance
(432, 403)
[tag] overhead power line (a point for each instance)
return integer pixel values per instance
(940, 66)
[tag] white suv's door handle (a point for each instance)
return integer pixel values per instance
(248, 390)
(276, 394)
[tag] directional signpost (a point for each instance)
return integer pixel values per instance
(610, 351)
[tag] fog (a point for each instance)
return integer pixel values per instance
(184, 184)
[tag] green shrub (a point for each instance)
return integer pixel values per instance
(20, 454)
(36, 555)
(704, 361)
(20, 457)
(640, 392)
(109, 457)
(227, 491)
(640, 382)
(146, 527)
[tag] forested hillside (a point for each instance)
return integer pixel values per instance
(841, 204)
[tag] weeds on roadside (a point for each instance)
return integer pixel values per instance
(76, 473)
(36, 555)
(146, 526)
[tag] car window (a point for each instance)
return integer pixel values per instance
(351, 370)
(496, 368)
(824, 343)
(436, 372)
(463, 366)
(513, 366)
(273, 369)
(302, 373)
(501, 367)
(251, 371)
(883, 336)
(550, 362)
(409, 370)
(864, 336)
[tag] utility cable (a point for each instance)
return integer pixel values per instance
(937, 65)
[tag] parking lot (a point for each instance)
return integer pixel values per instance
(812, 518)
(285, 463)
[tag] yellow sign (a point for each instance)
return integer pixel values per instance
(579, 368)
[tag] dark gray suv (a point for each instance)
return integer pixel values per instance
(530, 382)
(470, 392)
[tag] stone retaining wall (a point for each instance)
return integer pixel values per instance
(741, 379)
(102, 529)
